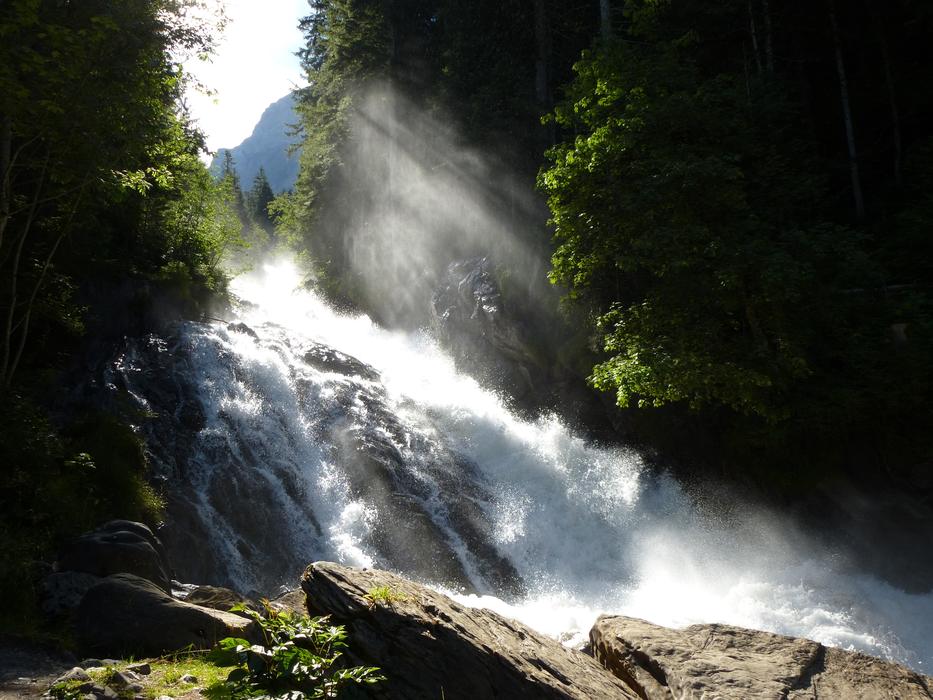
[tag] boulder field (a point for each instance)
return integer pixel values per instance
(430, 646)
(113, 586)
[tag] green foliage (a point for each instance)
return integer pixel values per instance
(677, 208)
(258, 200)
(384, 595)
(701, 203)
(114, 459)
(92, 149)
(54, 486)
(299, 659)
(68, 690)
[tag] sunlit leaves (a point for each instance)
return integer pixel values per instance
(686, 227)
(299, 659)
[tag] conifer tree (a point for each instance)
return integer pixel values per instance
(258, 200)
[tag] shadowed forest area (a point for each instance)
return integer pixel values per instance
(738, 200)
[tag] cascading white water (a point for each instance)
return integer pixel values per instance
(587, 529)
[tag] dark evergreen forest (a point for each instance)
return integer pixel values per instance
(738, 198)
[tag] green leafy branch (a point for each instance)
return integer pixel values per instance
(298, 659)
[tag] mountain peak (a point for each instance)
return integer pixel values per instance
(267, 147)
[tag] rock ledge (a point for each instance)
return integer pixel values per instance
(429, 646)
(725, 662)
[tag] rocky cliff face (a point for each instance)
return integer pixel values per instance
(498, 346)
(471, 320)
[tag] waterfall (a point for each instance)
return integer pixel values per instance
(300, 433)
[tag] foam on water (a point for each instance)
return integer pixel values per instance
(588, 529)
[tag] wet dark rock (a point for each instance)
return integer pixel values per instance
(119, 546)
(399, 481)
(218, 468)
(431, 647)
(242, 328)
(881, 523)
(126, 615)
(191, 416)
(728, 662)
(326, 359)
(471, 320)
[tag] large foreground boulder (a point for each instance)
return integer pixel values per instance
(725, 662)
(126, 615)
(118, 547)
(431, 647)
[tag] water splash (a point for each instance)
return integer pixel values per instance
(387, 456)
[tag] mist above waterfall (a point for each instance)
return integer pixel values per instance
(409, 198)
(308, 434)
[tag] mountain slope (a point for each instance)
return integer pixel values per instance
(267, 147)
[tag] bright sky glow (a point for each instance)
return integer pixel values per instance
(255, 65)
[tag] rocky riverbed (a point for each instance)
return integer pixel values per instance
(427, 644)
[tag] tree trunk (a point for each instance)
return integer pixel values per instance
(605, 19)
(542, 74)
(23, 325)
(754, 34)
(10, 328)
(847, 116)
(892, 100)
(754, 325)
(769, 45)
(878, 23)
(542, 93)
(6, 168)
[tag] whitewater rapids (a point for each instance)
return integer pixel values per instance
(587, 529)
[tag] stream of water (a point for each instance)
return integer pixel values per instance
(320, 435)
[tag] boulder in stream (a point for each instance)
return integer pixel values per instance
(471, 320)
(725, 662)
